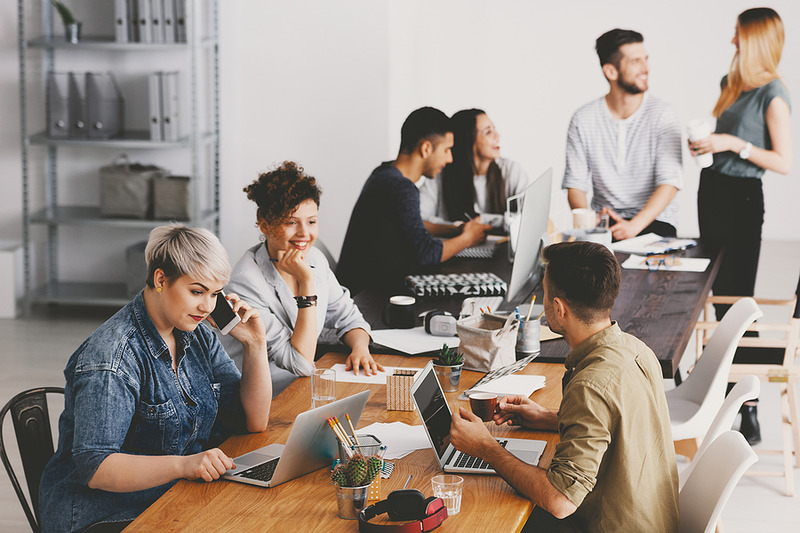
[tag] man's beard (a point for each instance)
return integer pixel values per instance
(629, 88)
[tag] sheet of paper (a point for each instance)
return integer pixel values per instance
(651, 243)
(685, 264)
(375, 379)
(411, 341)
(400, 439)
(513, 384)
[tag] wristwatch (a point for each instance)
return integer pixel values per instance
(745, 153)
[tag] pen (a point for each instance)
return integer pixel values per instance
(275, 261)
(408, 481)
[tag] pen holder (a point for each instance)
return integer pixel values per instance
(370, 445)
(528, 337)
(398, 390)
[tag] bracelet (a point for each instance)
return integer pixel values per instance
(305, 301)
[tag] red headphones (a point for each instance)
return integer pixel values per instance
(428, 514)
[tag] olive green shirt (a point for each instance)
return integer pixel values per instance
(616, 460)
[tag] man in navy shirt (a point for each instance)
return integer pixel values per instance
(386, 238)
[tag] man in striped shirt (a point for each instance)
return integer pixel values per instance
(626, 146)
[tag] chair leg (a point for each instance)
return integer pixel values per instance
(794, 420)
(686, 447)
(786, 429)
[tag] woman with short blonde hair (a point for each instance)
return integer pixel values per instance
(151, 393)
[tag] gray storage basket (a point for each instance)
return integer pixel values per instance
(126, 188)
(171, 198)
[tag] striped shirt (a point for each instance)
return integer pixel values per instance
(623, 161)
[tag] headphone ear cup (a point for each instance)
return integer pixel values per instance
(427, 509)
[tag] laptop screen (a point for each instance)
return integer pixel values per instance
(434, 410)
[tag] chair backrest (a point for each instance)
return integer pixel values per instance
(319, 245)
(712, 481)
(746, 389)
(707, 380)
(31, 419)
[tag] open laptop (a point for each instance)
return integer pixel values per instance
(436, 417)
(310, 446)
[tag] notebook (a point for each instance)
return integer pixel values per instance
(310, 446)
(436, 416)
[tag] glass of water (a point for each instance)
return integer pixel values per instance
(323, 387)
(449, 489)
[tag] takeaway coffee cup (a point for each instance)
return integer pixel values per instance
(399, 313)
(698, 130)
(483, 404)
(584, 218)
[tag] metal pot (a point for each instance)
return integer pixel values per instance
(449, 376)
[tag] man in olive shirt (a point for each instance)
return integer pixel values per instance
(614, 467)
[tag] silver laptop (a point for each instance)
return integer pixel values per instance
(436, 417)
(310, 446)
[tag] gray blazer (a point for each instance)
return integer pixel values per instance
(256, 280)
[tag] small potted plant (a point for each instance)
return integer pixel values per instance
(352, 480)
(72, 27)
(448, 368)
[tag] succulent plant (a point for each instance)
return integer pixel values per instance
(449, 356)
(339, 476)
(66, 14)
(356, 470)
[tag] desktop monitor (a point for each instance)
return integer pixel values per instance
(527, 269)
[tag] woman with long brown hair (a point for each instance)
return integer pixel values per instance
(753, 135)
(477, 182)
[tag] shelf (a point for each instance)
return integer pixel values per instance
(126, 140)
(108, 43)
(112, 294)
(90, 216)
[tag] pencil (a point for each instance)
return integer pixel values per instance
(350, 422)
(533, 299)
(342, 438)
(540, 315)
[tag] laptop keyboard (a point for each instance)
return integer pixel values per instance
(261, 472)
(468, 461)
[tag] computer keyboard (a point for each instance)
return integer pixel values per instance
(454, 285)
(485, 250)
(261, 472)
(468, 461)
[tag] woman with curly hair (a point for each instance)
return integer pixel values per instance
(477, 182)
(753, 135)
(292, 283)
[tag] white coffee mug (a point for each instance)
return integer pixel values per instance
(697, 131)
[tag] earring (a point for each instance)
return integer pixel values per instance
(158, 289)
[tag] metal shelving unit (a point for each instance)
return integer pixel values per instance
(204, 211)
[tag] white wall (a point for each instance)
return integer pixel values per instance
(329, 83)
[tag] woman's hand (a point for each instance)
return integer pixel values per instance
(293, 263)
(251, 329)
(208, 465)
(362, 358)
(715, 143)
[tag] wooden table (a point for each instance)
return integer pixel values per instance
(309, 502)
(660, 308)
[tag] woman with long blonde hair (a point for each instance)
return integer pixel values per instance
(753, 134)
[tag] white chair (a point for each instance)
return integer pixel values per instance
(712, 481)
(695, 402)
(746, 389)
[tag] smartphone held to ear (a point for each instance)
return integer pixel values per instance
(223, 315)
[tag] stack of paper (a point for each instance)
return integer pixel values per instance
(684, 264)
(400, 439)
(651, 243)
(411, 341)
(511, 385)
(348, 376)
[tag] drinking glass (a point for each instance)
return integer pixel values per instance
(323, 387)
(449, 488)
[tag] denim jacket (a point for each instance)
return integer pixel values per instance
(122, 396)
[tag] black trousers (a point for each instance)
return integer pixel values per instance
(731, 212)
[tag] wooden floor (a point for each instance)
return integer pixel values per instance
(34, 351)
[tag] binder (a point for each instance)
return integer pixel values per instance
(168, 19)
(169, 106)
(77, 105)
(103, 105)
(154, 99)
(157, 27)
(145, 21)
(58, 104)
(180, 20)
(133, 21)
(121, 21)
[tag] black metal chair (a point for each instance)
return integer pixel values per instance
(35, 439)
